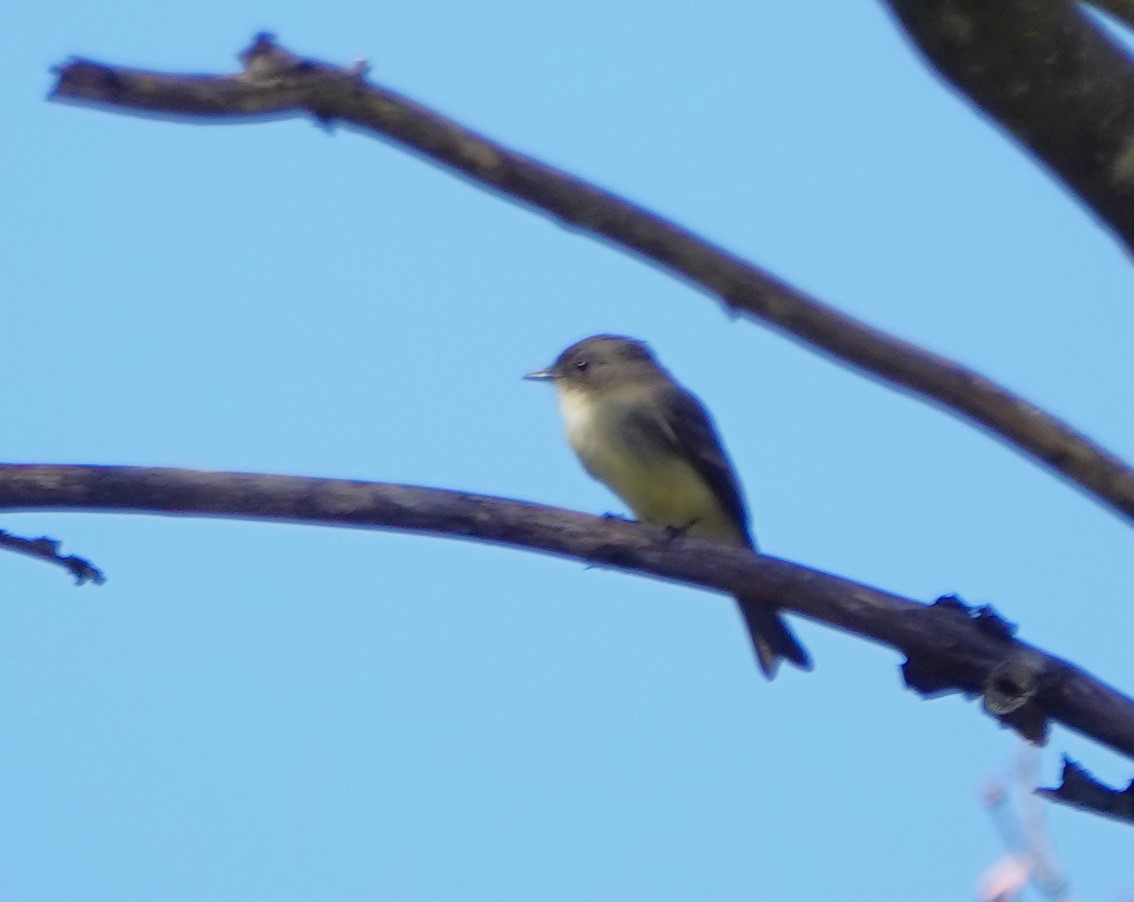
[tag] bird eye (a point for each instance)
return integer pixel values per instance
(581, 365)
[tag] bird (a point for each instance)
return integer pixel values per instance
(653, 443)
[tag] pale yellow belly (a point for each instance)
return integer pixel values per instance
(660, 487)
(668, 492)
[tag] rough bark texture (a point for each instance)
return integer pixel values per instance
(949, 647)
(1051, 77)
(277, 83)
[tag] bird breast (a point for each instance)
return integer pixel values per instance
(651, 476)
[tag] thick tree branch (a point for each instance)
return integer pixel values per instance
(947, 648)
(1122, 10)
(276, 83)
(1051, 77)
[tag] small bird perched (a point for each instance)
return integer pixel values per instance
(639, 432)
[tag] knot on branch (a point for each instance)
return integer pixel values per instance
(938, 672)
(1010, 695)
(264, 59)
(1009, 677)
(985, 616)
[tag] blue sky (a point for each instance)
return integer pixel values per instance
(264, 711)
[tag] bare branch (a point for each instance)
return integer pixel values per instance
(948, 649)
(1123, 10)
(1051, 77)
(46, 549)
(277, 83)
(1080, 790)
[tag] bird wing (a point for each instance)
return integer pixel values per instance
(688, 428)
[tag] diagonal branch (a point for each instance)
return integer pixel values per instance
(276, 83)
(1050, 76)
(948, 649)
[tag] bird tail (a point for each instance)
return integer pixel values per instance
(771, 638)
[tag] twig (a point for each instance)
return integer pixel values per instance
(948, 649)
(277, 83)
(1080, 790)
(46, 549)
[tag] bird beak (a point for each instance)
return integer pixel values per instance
(540, 376)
